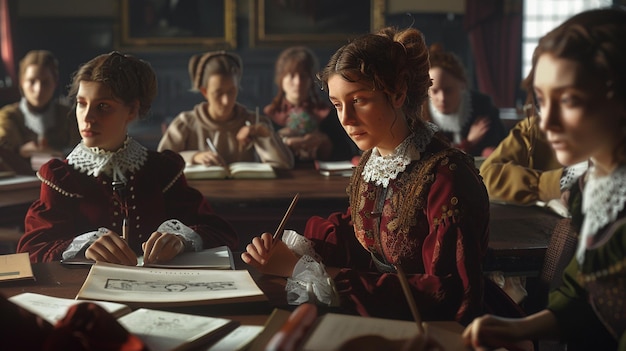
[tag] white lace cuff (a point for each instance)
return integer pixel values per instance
(82, 242)
(193, 241)
(311, 283)
(299, 244)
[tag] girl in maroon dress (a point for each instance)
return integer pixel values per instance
(111, 187)
(414, 200)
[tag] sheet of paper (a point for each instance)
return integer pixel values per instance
(164, 331)
(333, 330)
(110, 282)
(15, 267)
(53, 308)
(238, 339)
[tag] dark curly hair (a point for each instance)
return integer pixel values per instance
(129, 78)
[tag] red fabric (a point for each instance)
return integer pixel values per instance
(442, 253)
(494, 28)
(55, 219)
(85, 327)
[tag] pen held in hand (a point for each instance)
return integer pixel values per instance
(281, 226)
(404, 282)
(211, 146)
(125, 230)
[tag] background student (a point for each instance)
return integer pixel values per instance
(415, 201)
(111, 186)
(578, 82)
(38, 123)
(467, 117)
(236, 133)
(302, 118)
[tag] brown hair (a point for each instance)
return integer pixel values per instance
(390, 60)
(295, 59)
(594, 39)
(42, 58)
(447, 61)
(203, 66)
(128, 78)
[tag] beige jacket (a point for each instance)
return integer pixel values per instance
(188, 132)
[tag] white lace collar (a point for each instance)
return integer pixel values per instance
(453, 122)
(382, 169)
(38, 122)
(93, 161)
(603, 199)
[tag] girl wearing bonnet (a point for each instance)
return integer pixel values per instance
(221, 123)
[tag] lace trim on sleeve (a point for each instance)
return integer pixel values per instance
(193, 241)
(300, 244)
(311, 283)
(82, 242)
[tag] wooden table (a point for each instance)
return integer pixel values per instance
(15, 198)
(55, 279)
(254, 206)
(519, 236)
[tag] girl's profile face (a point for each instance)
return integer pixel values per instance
(446, 91)
(221, 93)
(102, 118)
(579, 120)
(38, 85)
(368, 117)
(296, 86)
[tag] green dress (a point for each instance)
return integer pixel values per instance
(590, 305)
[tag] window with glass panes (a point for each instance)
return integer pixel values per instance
(541, 16)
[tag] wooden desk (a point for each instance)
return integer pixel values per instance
(55, 279)
(519, 236)
(255, 206)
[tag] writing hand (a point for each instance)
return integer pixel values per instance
(208, 158)
(162, 247)
(111, 248)
(478, 130)
(270, 256)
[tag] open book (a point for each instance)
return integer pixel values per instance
(159, 330)
(15, 267)
(168, 287)
(334, 168)
(304, 330)
(237, 170)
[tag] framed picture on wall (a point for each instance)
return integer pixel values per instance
(313, 22)
(209, 24)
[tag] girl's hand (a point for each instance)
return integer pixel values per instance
(478, 130)
(208, 158)
(489, 332)
(162, 247)
(270, 257)
(111, 248)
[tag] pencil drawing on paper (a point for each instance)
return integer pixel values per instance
(161, 286)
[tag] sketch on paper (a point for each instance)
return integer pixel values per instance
(161, 286)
